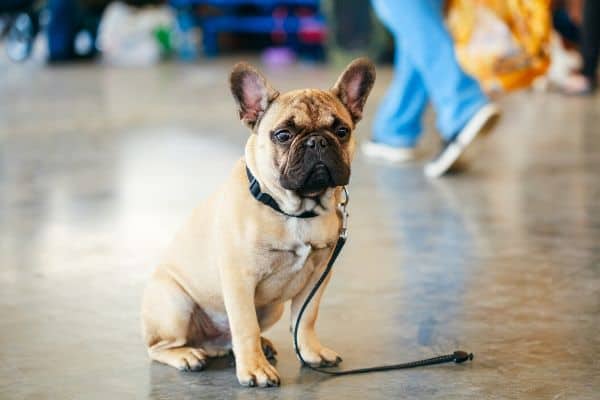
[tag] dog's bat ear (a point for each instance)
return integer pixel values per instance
(354, 85)
(251, 92)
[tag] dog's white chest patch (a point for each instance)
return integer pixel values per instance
(302, 253)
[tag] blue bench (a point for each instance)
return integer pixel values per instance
(263, 22)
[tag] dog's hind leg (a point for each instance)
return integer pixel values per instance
(166, 315)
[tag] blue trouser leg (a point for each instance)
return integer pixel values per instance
(426, 46)
(398, 119)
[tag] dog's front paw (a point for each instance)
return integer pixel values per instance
(320, 357)
(257, 372)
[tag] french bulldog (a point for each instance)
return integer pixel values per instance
(229, 271)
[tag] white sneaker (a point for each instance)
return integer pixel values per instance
(480, 124)
(388, 153)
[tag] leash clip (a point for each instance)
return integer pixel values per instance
(342, 207)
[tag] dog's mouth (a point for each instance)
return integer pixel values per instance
(318, 180)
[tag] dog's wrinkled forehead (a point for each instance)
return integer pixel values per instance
(310, 109)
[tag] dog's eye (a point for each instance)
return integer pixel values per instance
(342, 132)
(283, 135)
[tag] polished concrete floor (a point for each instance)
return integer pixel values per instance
(99, 166)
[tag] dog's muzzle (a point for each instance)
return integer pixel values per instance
(318, 179)
(317, 164)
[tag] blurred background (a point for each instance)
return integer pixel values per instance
(143, 33)
(116, 120)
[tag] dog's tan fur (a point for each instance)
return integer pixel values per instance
(235, 263)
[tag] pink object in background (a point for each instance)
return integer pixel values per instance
(278, 56)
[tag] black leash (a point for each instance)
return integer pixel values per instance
(457, 357)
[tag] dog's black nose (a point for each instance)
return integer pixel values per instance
(317, 139)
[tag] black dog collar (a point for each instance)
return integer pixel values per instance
(266, 199)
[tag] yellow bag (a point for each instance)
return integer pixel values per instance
(503, 43)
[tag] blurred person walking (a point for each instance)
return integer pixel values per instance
(426, 69)
(586, 81)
